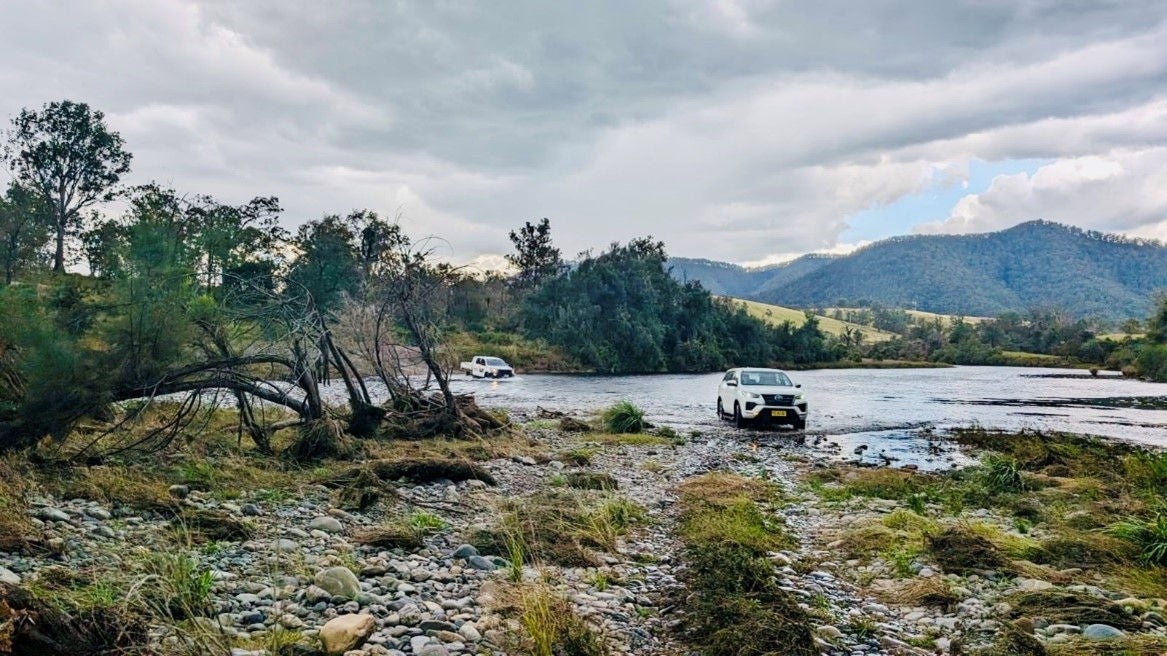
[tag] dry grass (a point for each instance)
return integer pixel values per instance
(1137, 645)
(627, 439)
(16, 530)
(550, 625)
(723, 489)
(558, 527)
(933, 591)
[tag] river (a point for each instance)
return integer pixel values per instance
(893, 412)
(887, 415)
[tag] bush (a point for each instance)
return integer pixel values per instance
(624, 417)
(1150, 536)
(1151, 362)
(1001, 475)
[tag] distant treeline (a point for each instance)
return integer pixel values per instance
(1010, 339)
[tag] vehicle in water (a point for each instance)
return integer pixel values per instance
(761, 396)
(485, 366)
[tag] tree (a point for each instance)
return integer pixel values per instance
(327, 265)
(104, 246)
(535, 257)
(66, 155)
(1157, 323)
(24, 230)
(231, 236)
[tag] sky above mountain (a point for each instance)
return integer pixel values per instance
(738, 130)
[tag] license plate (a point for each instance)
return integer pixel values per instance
(777, 413)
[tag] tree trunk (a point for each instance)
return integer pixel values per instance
(59, 256)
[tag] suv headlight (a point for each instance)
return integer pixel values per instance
(799, 397)
(752, 395)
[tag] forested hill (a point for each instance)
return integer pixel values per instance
(725, 279)
(1034, 264)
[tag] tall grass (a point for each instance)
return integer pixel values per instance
(624, 417)
(1149, 536)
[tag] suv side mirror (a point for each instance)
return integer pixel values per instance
(798, 385)
(731, 383)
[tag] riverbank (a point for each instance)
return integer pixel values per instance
(589, 543)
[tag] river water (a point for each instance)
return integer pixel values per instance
(894, 413)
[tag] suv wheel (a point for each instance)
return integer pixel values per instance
(720, 411)
(738, 419)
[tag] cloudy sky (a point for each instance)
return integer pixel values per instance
(742, 130)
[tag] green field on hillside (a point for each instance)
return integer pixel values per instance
(776, 314)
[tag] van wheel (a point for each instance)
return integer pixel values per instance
(738, 419)
(720, 411)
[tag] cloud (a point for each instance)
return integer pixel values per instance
(736, 129)
(1121, 191)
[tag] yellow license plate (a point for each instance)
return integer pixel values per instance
(777, 413)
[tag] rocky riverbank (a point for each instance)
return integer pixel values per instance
(568, 543)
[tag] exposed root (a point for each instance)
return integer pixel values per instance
(319, 440)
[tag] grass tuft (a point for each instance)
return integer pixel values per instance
(624, 417)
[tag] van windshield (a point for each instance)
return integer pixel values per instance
(768, 378)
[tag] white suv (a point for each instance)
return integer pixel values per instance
(761, 395)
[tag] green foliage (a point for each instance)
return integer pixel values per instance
(1001, 474)
(623, 417)
(426, 522)
(535, 257)
(621, 312)
(65, 155)
(25, 228)
(1151, 363)
(736, 606)
(1149, 536)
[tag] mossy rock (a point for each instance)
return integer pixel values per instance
(959, 551)
(573, 425)
(391, 537)
(1064, 607)
(1089, 550)
(1012, 641)
(592, 481)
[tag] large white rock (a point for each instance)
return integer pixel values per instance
(8, 577)
(341, 634)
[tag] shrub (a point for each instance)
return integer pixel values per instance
(624, 417)
(1001, 475)
(426, 522)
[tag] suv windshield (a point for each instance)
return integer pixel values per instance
(495, 362)
(769, 378)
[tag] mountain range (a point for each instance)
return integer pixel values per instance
(1038, 264)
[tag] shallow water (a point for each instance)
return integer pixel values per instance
(894, 412)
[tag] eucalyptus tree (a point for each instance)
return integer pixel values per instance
(66, 155)
(25, 228)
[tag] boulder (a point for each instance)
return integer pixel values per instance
(341, 634)
(339, 582)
